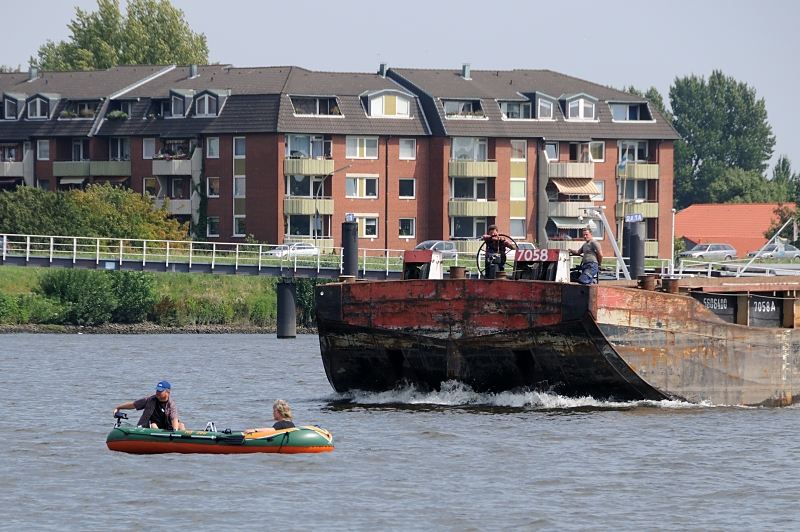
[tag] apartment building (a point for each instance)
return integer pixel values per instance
(283, 153)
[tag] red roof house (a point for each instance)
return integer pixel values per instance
(741, 225)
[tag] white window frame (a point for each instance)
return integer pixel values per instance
(239, 186)
(478, 183)
(622, 147)
(359, 147)
(115, 144)
(479, 225)
(43, 149)
(522, 105)
(640, 190)
(7, 102)
(521, 234)
(236, 218)
(243, 155)
(518, 180)
(37, 105)
(209, 194)
(602, 145)
(212, 153)
(360, 182)
(479, 144)
(582, 105)
(402, 106)
(413, 150)
(208, 226)
(174, 181)
(151, 142)
(524, 150)
(205, 99)
(628, 107)
(601, 196)
(145, 181)
(318, 146)
(83, 146)
(558, 149)
(413, 185)
(365, 221)
(547, 104)
(413, 233)
(182, 102)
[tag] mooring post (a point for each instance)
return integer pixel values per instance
(637, 237)
(287, 310)
(350, 246)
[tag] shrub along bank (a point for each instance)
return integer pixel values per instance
(96, 297)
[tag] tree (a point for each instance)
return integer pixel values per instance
(150, 32)
(735, 185)
(723, 126)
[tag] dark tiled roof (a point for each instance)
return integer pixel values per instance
(492, 86)
(260, 80)
(88, 85)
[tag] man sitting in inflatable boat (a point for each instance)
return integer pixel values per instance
(159, 410)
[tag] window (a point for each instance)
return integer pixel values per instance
(390, 105)
(239, 147)
(43, 150)
(148, 148)
(361, 187)
(367, 227)
(586, 152)
(8, 153)
(299, 225)
(623, 112)
(177, 106)
(80, 149)
(43, 184)
(10, 109)
(634, 190)
(180, 188)
(551, 151)
(315, 106)
(463, 109)
(517, 227)
(467, 227)
(519, 150)
(239, 227)
(239, 189)
(545, 110)
(150, 187)
(516, 110)
(119, 149)
(468, 188)
(581, 109)
(212, 187)
(38, 108)
(307, 146)
(407, 188)
(633, 151)
(408, 227)
(408, 149)
(120, 105)
(601, 195)
(305, 186)
(518, 187)
(469, 149)
(85, 109)
(212, 147)
(362, 148)
(206, 105)
(212, 226)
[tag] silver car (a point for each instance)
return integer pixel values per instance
(445, 247)
(715, 251)
(776, 251)
(298, 249)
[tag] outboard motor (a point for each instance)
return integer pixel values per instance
(542, 265)
(422, 264)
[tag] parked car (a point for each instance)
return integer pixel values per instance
(715, 251)
(298, 249)
(445, 247)
(777, 251)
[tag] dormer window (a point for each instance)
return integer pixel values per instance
(121, 106)
(463, 109)
(38, 108)
(626, 112)
(544, 110)
(9, 109)
(306, 105)
(177, 106)
(581, 109)
(391, 105)
(206, 105)
(516, 110)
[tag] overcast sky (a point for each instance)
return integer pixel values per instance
(610, 42)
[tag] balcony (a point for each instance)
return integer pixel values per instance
(569, 209)
(175, 206)
(646, 209)
(651, 248)
(461, 168)
(461, 207)
(172, 167)
(639, 171)
(308, 206)
(11, 169)
(71, 168)
(585, 170)
(110, 168)
(304, 166)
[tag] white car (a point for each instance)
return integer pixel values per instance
(298, 249)
(775, 251)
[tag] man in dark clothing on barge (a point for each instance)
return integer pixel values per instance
(159, 410)
(591, 258)
(495, 253)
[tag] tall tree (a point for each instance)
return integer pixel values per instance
(149, 32)
(723, 125)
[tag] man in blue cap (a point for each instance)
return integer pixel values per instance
(159, 410)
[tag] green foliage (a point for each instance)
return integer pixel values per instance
(306, 310)
(134, 294)
(741, 186)
(263, 311)
(150, 32)
(206, 310)
(88, 295)
(165, 313)
(8, 309)
(34, 308)
(723, 126)
(117, 115)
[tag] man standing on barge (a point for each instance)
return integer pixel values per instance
(591, 258)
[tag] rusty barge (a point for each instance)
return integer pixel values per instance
(723, 341)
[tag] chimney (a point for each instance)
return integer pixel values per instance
(465, 71)
(33, 73)
(192, 71)
(382, 70)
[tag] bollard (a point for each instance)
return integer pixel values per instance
(636, 249)
(647, 282)
(669, 285)
(350, 248)
(287, 310)
(458, 272)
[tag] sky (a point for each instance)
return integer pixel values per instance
(611, 42)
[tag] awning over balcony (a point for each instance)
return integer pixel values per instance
(568, 223)
(573, 185)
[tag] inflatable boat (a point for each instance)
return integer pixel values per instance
(137, 440)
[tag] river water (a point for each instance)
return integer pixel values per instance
(453, 460)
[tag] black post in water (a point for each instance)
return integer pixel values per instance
(637, 236)
(287, 311)
(350, 246)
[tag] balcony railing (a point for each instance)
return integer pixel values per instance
(176, 206)
(307, 166)
(646, 209)
(651, 248)
(462, 207)
(172, 167)
(110, 168)
(294, 205)
(461, 168)
(585, 170)
(639, 171)
(71, 168)
(571, 209)
(11, 169)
